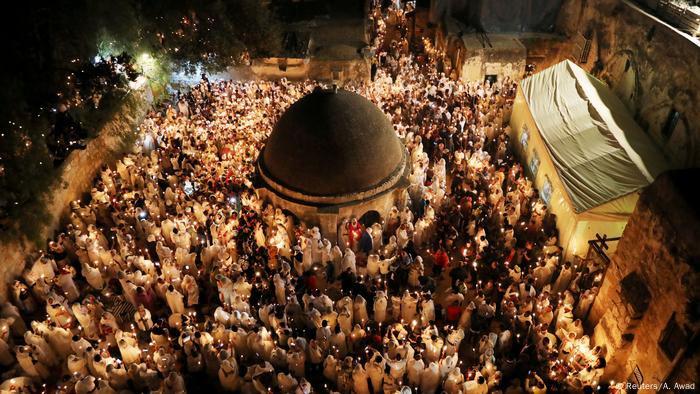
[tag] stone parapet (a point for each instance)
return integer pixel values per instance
(77, 175)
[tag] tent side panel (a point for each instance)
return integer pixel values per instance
(587, 229)
(533, 149)
(617, 210)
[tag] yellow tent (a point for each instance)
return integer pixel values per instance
(585, 153)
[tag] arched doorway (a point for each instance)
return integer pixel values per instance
(369, 218)
(295, 218)
(291, 225)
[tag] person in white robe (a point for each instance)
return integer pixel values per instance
(377, 240)
(344, 381)
(60, 340)
(286, 382)
(584, 303)
(278, 358)
(296, 360)
(433, 347)
(315, 353)
(228, 375)
(66, 283)
(565, 317)
(416, 270)
(77, 365)
(29, 364)
(93, 276)
(343, 235)
(409, 304)
(308, 256)
(356, 337)
(414, 368)
(398, 366)
(41, 349)
(447, 364)
(86, 385)
(477, 385)
(336, 262)
(325, 252)
(390, 248)
(563, 279)
(142, 317)
(430, 379)
(338, 343)
(6, 357)
(385, 265)
(330, 366)
(118, 378)
(12, 313)
(380, 304)
(348, 261)
(372, 265)
(427, 313)
(360, 310)
(542, 274)
(44, 267)
(419, 232)
(375, 371)
(396, 308)
(392, 221)
(402, 236)
(129, 349)
(58, 313)
(453, 381)
(175, 300)
(360, 381)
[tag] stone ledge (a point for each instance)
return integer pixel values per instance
(77, 175)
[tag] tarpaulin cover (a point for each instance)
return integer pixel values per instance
(598, 150)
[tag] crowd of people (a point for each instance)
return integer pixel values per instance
(176, 277)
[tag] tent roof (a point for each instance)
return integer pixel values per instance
(599, 151)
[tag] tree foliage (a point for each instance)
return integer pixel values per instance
(49, 58)
(213, 33)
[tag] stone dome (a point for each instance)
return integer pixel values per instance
(332, 147)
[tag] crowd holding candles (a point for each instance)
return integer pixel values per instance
(175, 276)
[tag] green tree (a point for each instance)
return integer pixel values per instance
(212, 33)
(48, 57)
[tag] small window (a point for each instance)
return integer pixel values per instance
(337, 73)
(524, 137)
(671, 122)
(650, 33)
(673, 338)
(534, 163)
(546, 190)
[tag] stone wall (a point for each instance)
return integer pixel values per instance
(494, 16)
(344, 71)
(329, 218)
(77, 175)
(544, 50)
(659, 247)
(502, 56)
(269, 68)
(650, 65)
